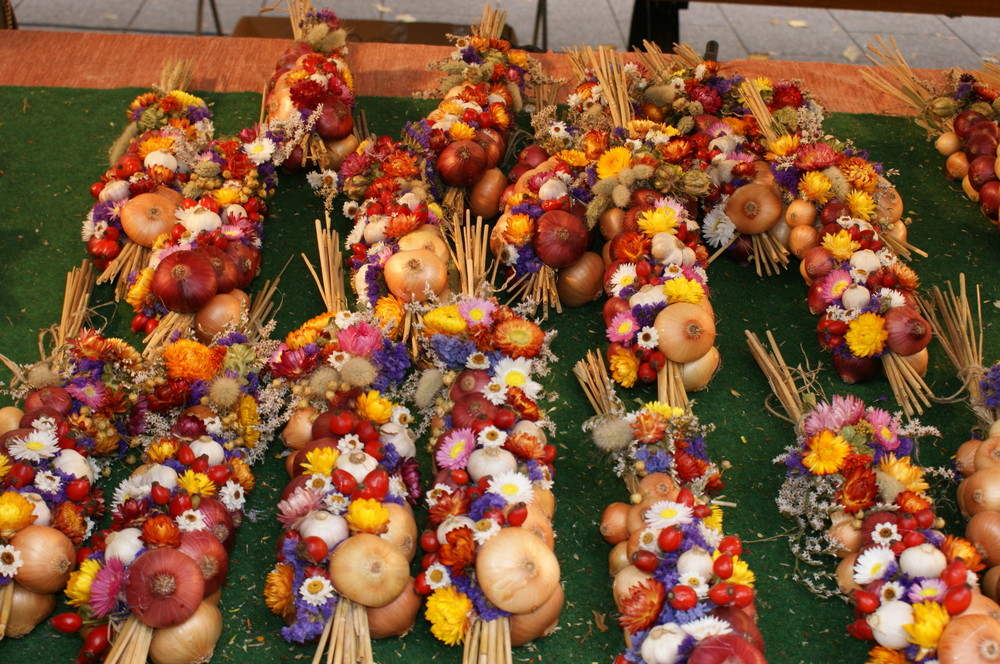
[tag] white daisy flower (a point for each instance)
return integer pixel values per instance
(232, 496)
(397, 487)
(351, 208)
(711, 536)
(349, 443)
(321, 484)
(892, 297)
(665, 513)
(477, 360)
(190, 520)
(696, 582)
(484, 530)
(345, 319)
(648, 540)
(132, 488)
(10, 560)
(719, 229)
(34, 446)
(648, 337)
(873, 564)
(491, 437)
(702, 628)
(558, 130)
(437, 576)
(261, 150)
(891, 591)
(436, 493)
(357, 233)
(336, 503)
(337, 359)
(44, 423)
(316, 590)
(885, 533)
(495, 392)
(47, 482)
(574, 100)
(513, 371)
(513, 486)
(623, 276)
(401, 415)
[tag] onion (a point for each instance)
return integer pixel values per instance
(206, 446)
(494, 144)
(357, 463)
(923, 560)
(989, 582)
(545, 500)
(845, 574)
(658, 485)
(983, 530)
(27, 610)
(725, 649)
(948, 143)
(416, 275)
(981, 171)
(298, 431)
(662, 644)
(368, 570)
(965, 457)
(610, 222)
(853, 369)
(334, 121)
(329, 527)
(618, 559)
(613, 528)
(560, 238)
(980, 492)
(147, 216)
(817, 263)
(802, 239)
(525, 627)
(397, 617)
(753, 208)
(10, 418)
(210, 556)
(190, 642)
(918, 361)
(218, 521)
(425, 238)
(973, 639)
(402, 532)
(743, 624)
(247, 261)
(908, 332)
(581, 282)
(226, 271)
(184, 281)
(490, 461)
(686, 332)
(956, 166)
(987, 453)
(539, 525)
(800, 212)
(888, 622)
(43, 515)
(462, 163)
(969, 190)
(696, 374)
(164, 587)
(50, 396)
(48, 557)
(989, 199)
(844, 533)
(484, 198)
(517, 571)
(124, 545)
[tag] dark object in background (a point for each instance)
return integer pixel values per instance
(8, 21)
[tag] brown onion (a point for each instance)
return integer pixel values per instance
(990, 581)
(544, 499)
(973, 639)
(908, 332)
(802, 239)
(966, 455)
(659, 485)
(635, 520)
(10, 418)
(184, 281)
(164, 587)
(686, 332)
(517, 571)
(190, 642)
(918, 360)
(983, 530)
(696, 374)
(525, 627)
(560, 238)
(397, 617)
(147, 216)
(426, 237)
(611, 222)
(368, 570)
(800, 212)
(581, 282)
(462, 163)
(753, 208)
(416, 275)
(48, 558)
(980, 492)
(618, 558)
(207, 552)
(298, 431)
(539, 525)
(27, 610)
(948, 143)
(484, 198)
(613, 528)
(402, 532)
(845, 574)
(987, 453)
(222, 311)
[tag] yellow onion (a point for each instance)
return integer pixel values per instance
(545, 500)
(416, 275)
(539, 525)
(697, 374)
(298, 431)
(983, 530)
(368, 570)
(581, 282)
(190, 642)
(987, 453)
(517, 571)
(948, 143)
(48, 557)
(613, 528)
(980, 491)
(147, 216)
(618, 558)
(525, 627)
(423, 238)
(800, 212)
(10, 418)
(397, 617)
(27, 610)
(222, 311)
(844, 533)
(973, 639)
(636, 517)
(627, 577)
(845, 574)
(402, 532)
(660, 485)
(685, 332)
(753, 208)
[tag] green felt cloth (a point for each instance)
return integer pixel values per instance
(53, 147)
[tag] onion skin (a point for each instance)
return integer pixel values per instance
(560, 238)
(980, 492)
(207, 552)
(581, 282)
(397, 617)
(164, 587)
(517, 571)
(222, 311)
(190, 642)
(618, 558)
(853, 369)
(987, 454)
(697, 374)
(368, 570)
(184, 281)
(48, 558)
(298, 431)
(659, 485)
(10, 418)
(973, 639)
(686, 332)
(411, 274)
(627, 577)
(402, 532)
(742, 623)
(525, 627)
(28, 610)
(983, 530)
(462, 163)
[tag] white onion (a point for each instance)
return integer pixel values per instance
(206, 446)
(696, 561)
(124, 545)
(662, 644)
(234, 209)
(648, 295)
(530, 428)
(73, 463)
(161, 158)
(329, 527)
(887, 624)
(924, 560)
(165, 476)
(490, 461)
(114, 190)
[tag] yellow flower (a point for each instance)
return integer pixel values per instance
(161, 450)
(187, 99)
(574, 158)
(444, 320)
(519, 229)
(321, 461)
(901, 470)
(624, 367)
(78, 586)
(860, 173)
(375, 407)
(139, 291)
(741, 571)
(106, 439)
(249, 418)
(840, 245)
(815, 186)
(782, 146)
(278, 595)
(448, 611)
(16, 512)
(154, 143)
(683, 289)
(663, 409)
(860, 204)
(611, 163)
(389, 312)
(367, 515)
(658, 220)
(228, 196)
(5, 465)
(827, 452)
(459, 131)
(191, 360)
(762, 83)
(298, 338)
(929, 620)
(638, 129)
(714, 520)
(196, 484)
(866, 335)
(884, 655)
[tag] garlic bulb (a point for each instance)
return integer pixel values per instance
(662, 644)
(329, 527)
(73, 463)
(667, 248)
(452, 523)
(198, 219)
(124, 545)
(888, 624)
(400, 437)
(232, 209)
(357, 463)
(43, 515)
(855, 296)
(552, 188)
(114, 190)
(924, 560)
(490, 461)
(165, 476)
(375, 229)
(648, 295)
(695, 561)
(530, 428)
(206, 446)
(161, 158)
(866, 260)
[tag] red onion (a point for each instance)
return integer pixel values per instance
(462, 163)
(335, 121)
(816, 300)
(218, 521)
(818, 263)
(184, 281)
(853, 369)
(560, 238)
(516, 171)
(210, 556)
(533, 155)
(981, 143)
(225, 267)
(614, 306)
(164, 587)
(742, 623)
(981, 171)
(52, 396)
(989, 199)
(725, 649)
(247, 261)
(41, 411)
(908, 332)
(832, 211)
(468, 408)
(319, 443)
(468, 382)
(740, 250)
(492, 142)
(965, 121)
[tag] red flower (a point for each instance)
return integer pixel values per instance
(452, 504)
(239, 165)
(642, 605)
(786, 94)
(172, 393)
(458, 549)
(130, 514)
(68, 517)
(859, 488)
(306, 93)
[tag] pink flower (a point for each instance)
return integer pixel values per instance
(454, 449)
(106, 586)
(835, 284)
(477, 312)
(884, 427)
(623, 327)
(302, 501)
(835, 415)
(89, 393)
(360, 339)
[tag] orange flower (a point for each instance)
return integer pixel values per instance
(910, 501)
(451, 504)
(594, 144)
(518, 229)
(906, 278)
(401, 165)
(68, 517)
(190, 360)
(242, 474)
(161, 531)
(459, 548)
(525, 446)
(642, 605)
(959, 548)
(518, 337)
(402, 223)
(389, 312)
(632, 247)
(858, 490)
(89, 344)
(648, 427)
(860, 173)
(525, 407)
(278, 594)
(677, 149)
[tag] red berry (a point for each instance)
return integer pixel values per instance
(924, 517)
(20, 475)
(731, 544)
(366, 431)
(860, 629)
(83, 554)
(517, 514)
(682, 597)
(480, 422)
(957, 599)
(504, 418)
(723, 566)
(742, 595)
(159, 494)
(429, 541)
(428, 560)
(420, 584)
(344, 482)
(459, 476)
(179, 504)
(645, 561)
(375, 449)
(68, 623)
(185, 454)
(219, 474)
(670, 538)
(151, 325)
(200, 465)
(548, 454)
(954, 574)
(721, 593)
(96, 189)
(897, 547)
(913, 538)
(341, 422)
(78, 489)
(685, 497)
(315, 549)
(139, 323)
(701, 511)
(209, 203)
(646, 373)
(865, 601)
(96, 643)
(906, 522)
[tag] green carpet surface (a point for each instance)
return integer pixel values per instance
(53, 147)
